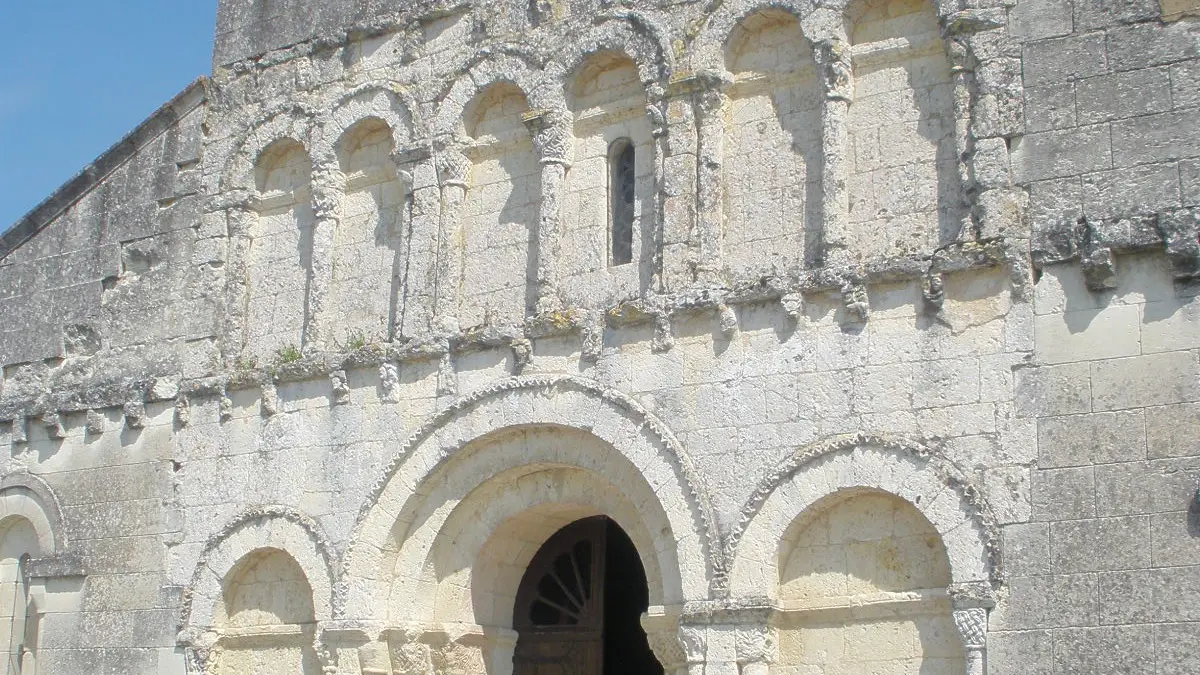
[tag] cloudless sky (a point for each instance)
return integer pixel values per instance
(77, 75)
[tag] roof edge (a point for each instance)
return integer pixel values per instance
(91, 175)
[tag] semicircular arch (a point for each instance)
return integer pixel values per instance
(24, 495)
(485, 70)
(624, 428)
(382, 100)
(626, 33)
(288, 122)
(274, 527)
(917, 474)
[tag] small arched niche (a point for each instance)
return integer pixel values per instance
(773, 145)
(265, 620)
(903, 179)
(862, 590)
(500, 218)
(368, 259)
(19, 612)
(280, 250)
(608, 217)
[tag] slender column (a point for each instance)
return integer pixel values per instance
(452, 167)
(674, 121)
(551, 131)
(328, 187)
(710, 101)
(971, 623)
(833, 58)
(417, 281)
(240, 219)
(656, 112)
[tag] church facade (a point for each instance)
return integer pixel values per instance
(527, 337)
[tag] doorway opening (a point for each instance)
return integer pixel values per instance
(580, 603)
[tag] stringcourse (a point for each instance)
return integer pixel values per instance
(621, 337)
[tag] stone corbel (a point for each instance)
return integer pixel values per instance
(135, 415)
(389, 382)
(856, 303)
(53, 424)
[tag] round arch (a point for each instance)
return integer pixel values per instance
(485, 70)
(626, 33)
(288, 122)
(708, 48)
(26, 496)
(912, 472)
(272, 527)
(625, 436)
(382, 100)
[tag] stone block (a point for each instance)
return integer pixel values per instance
(1175, 538)
(1064, 494)
(1097, 438)
(1185, 84)
(1141, 381)
(1053, 390)
(1102, 544)
(1171, 325)
(1025, 652)
(1125, 94)
(1107, 650)
(1038, 19)
(1189, 180)
(1050, 107)
(1132, 191)
(1156, 138)
(1057, 154)
(1150, 596)
(1055, 203)
(1093, 14)
(1175, 650)
(1088, 334)
(1047, 602)
(1064, 59)
(1026, 549)
(946, 382)
(1173, 431)
(1150, 44)
(1155, 486)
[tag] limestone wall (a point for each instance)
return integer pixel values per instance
(300, 376)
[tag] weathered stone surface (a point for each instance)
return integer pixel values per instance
(902, 299)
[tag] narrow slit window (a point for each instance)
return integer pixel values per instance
(621, 194)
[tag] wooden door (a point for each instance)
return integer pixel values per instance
(559, 613)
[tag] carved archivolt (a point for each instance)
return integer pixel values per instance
(24, 495)
(383, 100)
(270, 527)
(285, 122)
(567, 402)
(915, 473)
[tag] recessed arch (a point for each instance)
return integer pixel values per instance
(24, 495)
(609, 416)
(380, 100)
(907, 470)
(640, 40)
(273, 527)
(485, 71)
(289, 121)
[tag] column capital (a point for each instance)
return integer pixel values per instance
(551, 132)
(328, 185)
(452, 163)
(971, 623)
(837, 69)
(756, 644)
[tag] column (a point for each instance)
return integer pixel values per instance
(551, 132)
(328, 186)
(710, 101)
(833, 57)
(414, 306)
(453, 168)
(239, 219)
(971, 623)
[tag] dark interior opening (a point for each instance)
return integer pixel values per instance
(626, 597)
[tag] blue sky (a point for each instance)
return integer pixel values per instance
(77, 75)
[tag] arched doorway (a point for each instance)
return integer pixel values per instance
(579, 605)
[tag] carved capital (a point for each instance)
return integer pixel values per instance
(667, 649)
(451, 162)
(756, 644)
(408, 654)
(972, 627)
(833, 58)
(694, 641)
(328, 185)
(551, 132)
